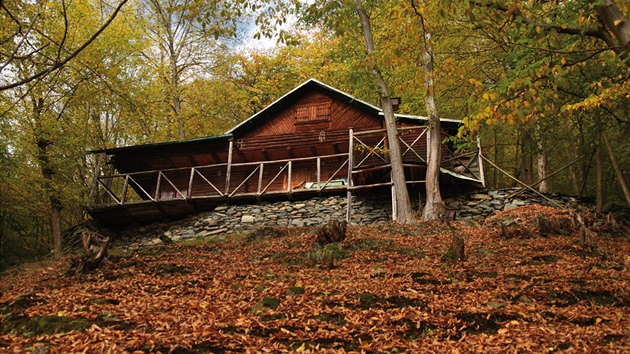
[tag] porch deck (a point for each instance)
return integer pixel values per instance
(262, 173)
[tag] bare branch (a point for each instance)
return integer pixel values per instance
(60, 63)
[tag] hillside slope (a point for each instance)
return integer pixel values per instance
(385, 288)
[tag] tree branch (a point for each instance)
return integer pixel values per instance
(59, 64)
(516, 14)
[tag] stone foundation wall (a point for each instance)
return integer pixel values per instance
(482, 204)
(229, 219)
(366, 209)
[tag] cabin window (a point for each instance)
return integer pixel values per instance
(312, 113)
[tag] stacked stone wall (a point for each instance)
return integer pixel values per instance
(367, 209)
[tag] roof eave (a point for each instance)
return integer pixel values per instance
(111, 151)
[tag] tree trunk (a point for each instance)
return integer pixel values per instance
(47, 173)
(618, 24)
(403, 203)
(574, 180)
(527, 162)
(599, 199)
(543, 187)
(176, 97)
(613, 159)
(434, 207)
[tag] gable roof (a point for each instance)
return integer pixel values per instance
(271, 110)
(290, 97)
(313, 84)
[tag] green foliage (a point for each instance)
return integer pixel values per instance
(325, 257)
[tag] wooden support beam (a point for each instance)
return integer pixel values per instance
(350, 166)
(260, 178)
(319, 171)
(482, 173)
(548, 176)
(228, 171)
(521, 183)
(190, 184)
(290, 170)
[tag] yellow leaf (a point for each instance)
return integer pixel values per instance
(301, 348)
(286, 331)
(485, 96)
(598, 320)
(563, 60)
(617, 22)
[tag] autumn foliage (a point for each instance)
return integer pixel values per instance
(390, 290)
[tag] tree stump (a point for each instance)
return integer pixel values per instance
(585, 235)
(456, 251)
(94, 251)
(334, 231)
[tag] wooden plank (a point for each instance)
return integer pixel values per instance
(260, 178)
(319, 171)
(289, 176)
(350, 166)
(190, 183)
(229, 166)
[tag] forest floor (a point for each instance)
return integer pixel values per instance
(384, 289)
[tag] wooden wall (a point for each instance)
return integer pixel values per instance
(342, 116)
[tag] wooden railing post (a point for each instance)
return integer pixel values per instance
(229, 167)
(190, 184)
(157, 186)
(350, 165)
(319, 172)
(289, 187)
(260, 178)
(482, 174)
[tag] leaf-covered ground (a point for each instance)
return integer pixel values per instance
(390, 288)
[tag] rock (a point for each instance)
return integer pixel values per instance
(479, 196)
(510, 206)
(495, 305)
(247, 218)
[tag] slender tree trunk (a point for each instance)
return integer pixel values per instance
(496, 158)
(176, 99)
(403, 203)
(613, 159)
(574, 180)
(543, 187)
(527, 162)
(47, 173)
(434, 207)
(599, 200)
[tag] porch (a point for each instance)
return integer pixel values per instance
(178, 179)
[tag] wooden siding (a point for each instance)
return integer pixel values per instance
(342, 116)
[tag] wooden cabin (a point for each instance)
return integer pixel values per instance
(315, 140)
